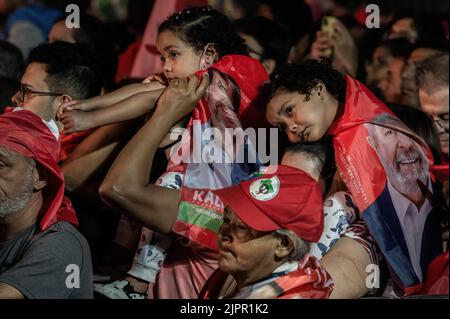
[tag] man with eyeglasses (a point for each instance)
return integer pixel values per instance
(433, 93)
(56, 73)
(409, 86)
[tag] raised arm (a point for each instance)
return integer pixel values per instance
(126, 185)
(108, 99)
(92, 153)
(127, 109)
(125, 92)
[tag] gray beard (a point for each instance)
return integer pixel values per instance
(15, 204)
(407, 184)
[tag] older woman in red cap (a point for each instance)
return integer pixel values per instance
(264, 239)
(41, 254)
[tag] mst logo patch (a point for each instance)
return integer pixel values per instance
(265, 189)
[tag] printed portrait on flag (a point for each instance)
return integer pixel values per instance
(214, 152)
(406, 201)
(213, 162)
(386, 167)
(391, 174)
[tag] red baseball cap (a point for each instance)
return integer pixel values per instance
(288, 198)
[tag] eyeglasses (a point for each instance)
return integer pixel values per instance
(24, 91)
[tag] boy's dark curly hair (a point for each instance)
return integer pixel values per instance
(198, 26)
(304, 77)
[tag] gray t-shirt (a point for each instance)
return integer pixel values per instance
(54, 264)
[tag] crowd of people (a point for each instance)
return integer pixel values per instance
(189, 149)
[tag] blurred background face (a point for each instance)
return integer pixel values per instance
(437, 105)
(264, 10)
(7, 5)
(59, 32)
(3, 6)
(377, 68)
(404, 28)
(410, 94)
(392, 87)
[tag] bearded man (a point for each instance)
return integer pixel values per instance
(41, 254)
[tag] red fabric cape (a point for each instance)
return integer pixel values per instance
(25, 133)
(366, 178)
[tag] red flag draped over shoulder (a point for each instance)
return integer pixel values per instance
(70, 141)
(350, 138)
(366, 173)
(249, 75)
(25, 133)
(197, 222)
(309, 281)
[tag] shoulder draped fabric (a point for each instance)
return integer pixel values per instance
(211, 163)
(309, 281)
(366, 177)
(25, 133)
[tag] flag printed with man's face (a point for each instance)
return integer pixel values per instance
(386, 167)
(209, 156)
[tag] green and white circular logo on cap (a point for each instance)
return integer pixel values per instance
(265, 189)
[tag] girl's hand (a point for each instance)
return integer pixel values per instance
(181, 97)
(82, 105)
(156, 78)
(76, 121)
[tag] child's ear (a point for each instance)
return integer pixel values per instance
(211, 54)
(319, 89)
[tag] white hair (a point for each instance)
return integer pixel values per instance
(301, 247)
